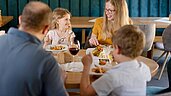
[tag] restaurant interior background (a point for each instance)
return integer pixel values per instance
(89, 8)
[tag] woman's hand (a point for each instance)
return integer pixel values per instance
(93, 41)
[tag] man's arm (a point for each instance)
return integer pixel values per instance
(53, 84)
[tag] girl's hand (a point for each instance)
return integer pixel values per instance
(68, 27)
(93, 41)
(46, 39)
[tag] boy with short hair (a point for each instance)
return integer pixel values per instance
(129, 77)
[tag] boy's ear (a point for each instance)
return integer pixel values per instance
(117, 49)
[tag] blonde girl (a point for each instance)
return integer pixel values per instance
(60, 29)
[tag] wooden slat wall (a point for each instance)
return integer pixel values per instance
(137, 8)
(143, 8)
(84, 7)
(12, 7)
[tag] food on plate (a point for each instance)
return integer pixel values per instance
(98, 70)
(103, 61)
(97, 50)
(57, 47)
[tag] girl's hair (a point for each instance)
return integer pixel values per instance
(57, 14)
(121, 18)
(130, 39)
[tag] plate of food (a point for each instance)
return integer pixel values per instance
(56, 48)
(100, 52)
(96, 52)
(98, 70)
(103, 61)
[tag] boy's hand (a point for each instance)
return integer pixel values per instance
(87, 60)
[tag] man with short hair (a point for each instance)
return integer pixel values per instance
(26, 69)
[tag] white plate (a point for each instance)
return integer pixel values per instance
(89, 50)
(106, 67)
(96, 62)
(47, 48)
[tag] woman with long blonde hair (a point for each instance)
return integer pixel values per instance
(115, 16)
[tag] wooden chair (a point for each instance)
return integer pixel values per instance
(87, 44)
(164, 46)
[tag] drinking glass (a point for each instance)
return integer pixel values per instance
(74, 47)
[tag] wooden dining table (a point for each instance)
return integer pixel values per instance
(84, 23)
(5, 20)
(74, 78)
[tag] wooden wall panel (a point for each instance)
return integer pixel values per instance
(3, 7)
(134, 9)
(154, 8)
(85, 8)
(45, 1)
(13, 10)
(95, 8)
(21, 4)
(142, 8)
(102, 5)
(64, 4)
(54, 4)
(169, 6)
(75, 7)
(163, 5)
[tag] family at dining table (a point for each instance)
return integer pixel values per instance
(27, 69)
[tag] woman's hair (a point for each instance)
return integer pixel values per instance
(121, 18)
(58, 13)
(130, 39)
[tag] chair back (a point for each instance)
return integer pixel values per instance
(87, 44)
(166, 37)
(149, 31)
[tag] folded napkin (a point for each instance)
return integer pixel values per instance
(73, 67)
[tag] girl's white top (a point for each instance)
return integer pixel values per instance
(52, 34)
